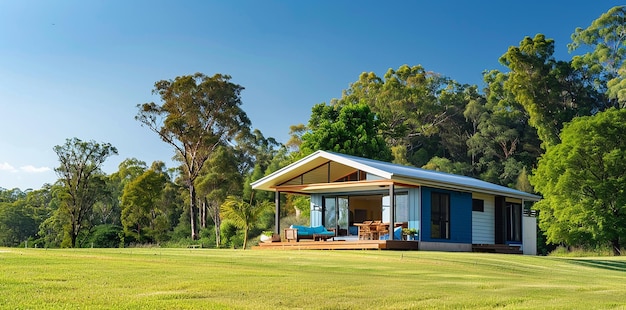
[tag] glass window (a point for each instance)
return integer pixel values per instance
(478, 205)
(330, 212)
(343, 212)
(402, 208)
(514, 222)
(336, 213)
(440, 216)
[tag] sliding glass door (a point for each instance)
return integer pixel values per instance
(513, 222)
(336, 212)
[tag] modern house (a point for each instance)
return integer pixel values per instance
(450, 212)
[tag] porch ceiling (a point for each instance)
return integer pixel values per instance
(340, 187)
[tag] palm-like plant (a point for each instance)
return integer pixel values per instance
(243, 214)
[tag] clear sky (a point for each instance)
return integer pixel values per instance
(79, 68)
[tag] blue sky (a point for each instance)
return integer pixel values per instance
(79, 68)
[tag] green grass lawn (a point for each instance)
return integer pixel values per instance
(235, 279)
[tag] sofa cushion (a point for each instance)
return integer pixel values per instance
(309, 231)
(303, 230)
(318, 229)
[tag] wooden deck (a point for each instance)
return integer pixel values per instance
(340, 245)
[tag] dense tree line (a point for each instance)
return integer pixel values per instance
(554, 124)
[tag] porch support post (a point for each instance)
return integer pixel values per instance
(392, 211)
(277, 214)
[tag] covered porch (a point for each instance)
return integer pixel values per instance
(365, 207)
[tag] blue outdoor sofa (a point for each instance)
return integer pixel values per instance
(317, 233)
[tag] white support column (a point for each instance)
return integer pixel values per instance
(529, 235)
(392, 210)
(277, 215)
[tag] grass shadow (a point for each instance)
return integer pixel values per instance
(599, 263)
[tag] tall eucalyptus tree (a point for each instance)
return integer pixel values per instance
(82, 181)
(198, 113)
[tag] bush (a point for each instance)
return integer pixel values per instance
(562, 251)
(207, 237)
(181, 232)
(104, 236)
(231, 237)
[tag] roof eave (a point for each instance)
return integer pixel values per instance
(469, 188)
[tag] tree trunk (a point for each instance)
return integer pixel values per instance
(203, 211)
(218, 223)
(245, 237)
(76, 220)
(74, 235)
(617, 249)
(192, 211)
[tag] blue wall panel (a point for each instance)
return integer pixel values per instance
(460, 216)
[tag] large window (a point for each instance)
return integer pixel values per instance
(330, 212)
(401, 201)
(439, 216)
(336, 213)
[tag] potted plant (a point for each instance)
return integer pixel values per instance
(409, 233)
(269, 236)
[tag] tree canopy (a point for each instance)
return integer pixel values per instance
(348, 129)
(143, 215)
(606, 63)
(82, 180)
(582, 180)
(198, 114)
(551, 91)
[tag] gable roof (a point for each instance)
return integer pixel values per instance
(385, 171)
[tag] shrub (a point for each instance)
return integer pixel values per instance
(104, 236)
(562, 251)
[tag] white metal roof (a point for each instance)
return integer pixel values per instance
(392, 172)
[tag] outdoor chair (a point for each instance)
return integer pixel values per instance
(365, 231)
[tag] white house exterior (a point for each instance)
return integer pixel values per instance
(451, 212)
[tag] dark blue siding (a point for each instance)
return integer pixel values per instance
(460, 216)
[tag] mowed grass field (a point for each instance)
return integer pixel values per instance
(154, 278)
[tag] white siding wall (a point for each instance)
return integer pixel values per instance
(483, 223)
(529, 237)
